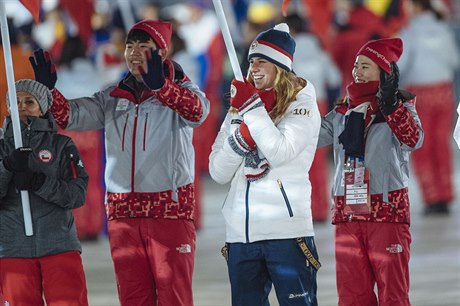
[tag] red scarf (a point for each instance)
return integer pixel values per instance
(359, 116)
(359, 93)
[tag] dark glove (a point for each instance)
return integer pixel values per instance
(388, 101)
(154, 77)
(28, 180)
(18, 160)
(244, 96)
(44, 69)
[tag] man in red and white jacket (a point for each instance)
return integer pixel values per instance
(148, 120)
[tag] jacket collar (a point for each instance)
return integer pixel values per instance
(44, 123)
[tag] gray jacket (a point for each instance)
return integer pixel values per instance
(148, 142)
(389, 142)
(51, 206)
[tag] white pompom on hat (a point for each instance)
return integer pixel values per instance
(275, 45)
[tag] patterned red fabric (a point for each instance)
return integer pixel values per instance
(395, 211)
(60, 109)
(403, 126)
(181, 100)
(152, 204)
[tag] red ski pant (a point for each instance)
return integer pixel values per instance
(370, 253)
(59, 279)
(153, 260)
(433, 161)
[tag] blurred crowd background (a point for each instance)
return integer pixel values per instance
(86, 41)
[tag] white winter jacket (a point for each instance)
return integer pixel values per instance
(277, 206)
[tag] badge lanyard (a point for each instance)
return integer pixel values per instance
(356, 179)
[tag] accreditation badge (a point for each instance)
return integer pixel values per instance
(356, 186)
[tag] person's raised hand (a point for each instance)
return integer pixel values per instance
(244, 96)
(44, 68)
(154, 76)
(388, 89)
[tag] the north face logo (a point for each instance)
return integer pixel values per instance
(184, 248)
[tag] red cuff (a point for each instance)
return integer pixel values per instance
(60, 109)
(403, 126)
(181, 100)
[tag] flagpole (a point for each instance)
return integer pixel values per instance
(14, 110)
(126, 14)
(228, 40)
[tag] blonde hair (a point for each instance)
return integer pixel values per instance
(286, 85)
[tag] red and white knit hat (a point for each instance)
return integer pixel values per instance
(275, 45)
(383, 51)
(160, 31)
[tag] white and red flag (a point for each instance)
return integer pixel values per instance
(33, 6)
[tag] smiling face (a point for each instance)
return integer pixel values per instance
(262, 72)
(27, 106)
(365, 70)
(135, 55)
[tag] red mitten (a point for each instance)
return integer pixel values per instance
(268, 98)
(241, 141)
(244, 96)
(247, 135)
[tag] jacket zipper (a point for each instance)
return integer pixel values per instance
(133, 144)
(72, 167)
(288, 205)
(145, 131)
(247, 212)
(124, 133)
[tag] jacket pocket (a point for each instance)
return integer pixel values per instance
(286, 200)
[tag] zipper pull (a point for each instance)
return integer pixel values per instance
(72, 166)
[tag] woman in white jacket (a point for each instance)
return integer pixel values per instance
(265, 147)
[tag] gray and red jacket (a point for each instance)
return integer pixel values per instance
(148, 141)
(388, 145)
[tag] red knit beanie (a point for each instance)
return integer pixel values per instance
(160, 31)
(383, 51)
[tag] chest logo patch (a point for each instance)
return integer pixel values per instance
(122, 105)
(45, 156)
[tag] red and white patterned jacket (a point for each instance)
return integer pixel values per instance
(148, 140)
(389, 142)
